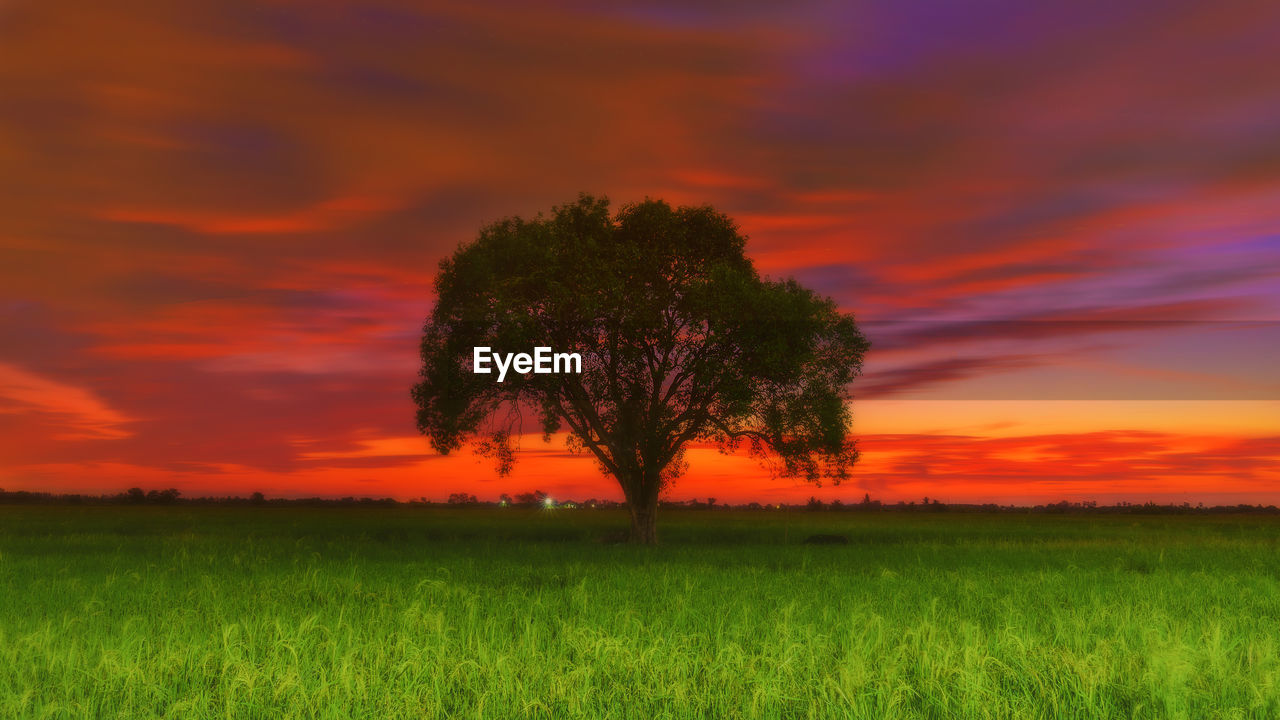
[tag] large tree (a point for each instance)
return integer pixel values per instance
(681, 340)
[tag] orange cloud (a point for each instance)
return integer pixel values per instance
(332, 214)
(80, 412)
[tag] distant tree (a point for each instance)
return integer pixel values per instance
(531, 499)
(135, 495)
(504, 499)
(163, 497)
(461, 498)
(258, 498)
(681, 341)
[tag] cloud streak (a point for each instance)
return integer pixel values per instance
(79, 412)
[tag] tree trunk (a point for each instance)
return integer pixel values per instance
(644, 521)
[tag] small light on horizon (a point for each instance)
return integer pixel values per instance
(549, 502)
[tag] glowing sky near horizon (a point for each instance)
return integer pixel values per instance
(1060, 227)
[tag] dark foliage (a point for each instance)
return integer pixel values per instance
(681, 341)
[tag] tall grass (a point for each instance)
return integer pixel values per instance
(409, 613)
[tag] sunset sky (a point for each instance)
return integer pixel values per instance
(1059, 227)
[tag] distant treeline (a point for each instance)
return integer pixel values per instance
(537, 498)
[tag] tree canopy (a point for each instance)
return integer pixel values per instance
(681, 340)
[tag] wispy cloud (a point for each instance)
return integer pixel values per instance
(332, 214)
(78, 412)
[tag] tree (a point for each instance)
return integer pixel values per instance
(537, 498)
(681, 341)
(461, 498)
(163, 497)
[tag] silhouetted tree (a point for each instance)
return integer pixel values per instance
(531, 499)
(163, 497)
(681, 340)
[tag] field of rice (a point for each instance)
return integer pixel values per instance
(214, 612)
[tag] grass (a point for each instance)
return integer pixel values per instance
(111, 612)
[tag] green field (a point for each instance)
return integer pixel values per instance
(189, 612)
